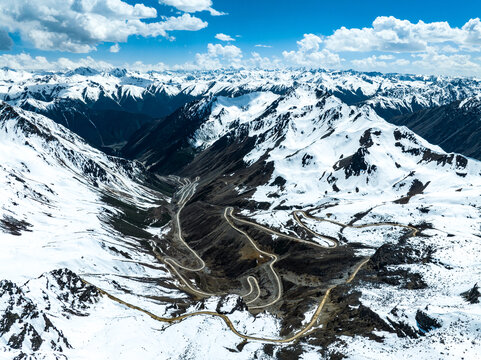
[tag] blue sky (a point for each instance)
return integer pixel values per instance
(365, 35)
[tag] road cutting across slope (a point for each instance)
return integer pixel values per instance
(414, 230)
(187, 191)
(228, 212)
(309, 326)
(228, 322)
(185, 194)
(332, 240)
(251, 280)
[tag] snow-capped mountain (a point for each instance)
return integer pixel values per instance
(308, 131)
(281, 217)
(269, 154)
(78, 267)
(62, 205)
(454, 127)
(106, 108)
(127, 90)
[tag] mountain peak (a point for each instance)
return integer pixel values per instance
(83, 71)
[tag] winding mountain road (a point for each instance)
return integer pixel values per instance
(228, 322)
(251, 280)
(228, 212)
(185, 193)
(331, 239)
(414, 230)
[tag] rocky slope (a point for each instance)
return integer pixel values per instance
(454, 127)
(67, 206)
(107, 107)
(288, 200)
(268, 154)
(64, 204)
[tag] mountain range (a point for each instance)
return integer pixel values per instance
(239, 214)
(107, 108)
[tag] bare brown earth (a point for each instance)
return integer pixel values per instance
(242, 257)
(293, 277)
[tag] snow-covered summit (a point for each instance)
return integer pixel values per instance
(296, 158)
(385, 91)
(321, 145)
(307, 149)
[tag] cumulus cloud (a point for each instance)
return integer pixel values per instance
(369, 63)
(430, 62)
(6, 42)
(217, 56)
(472, 30)
(386, 57)
(184, 22)
(114, 48)
(309, 53)
(390, 34)
(192, 6)
(25, 61)
(379, 63)
(224, 37)
(446, 64)
(263, 46)
(257, 61)
(401, 62)
(436, 47)
(141, 67)
(80, 25)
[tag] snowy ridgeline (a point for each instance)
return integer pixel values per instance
(54, 227)
(339, 160)
(122, 88)
(345, 161)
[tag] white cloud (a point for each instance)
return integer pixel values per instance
(369, 63)
(473, 33)
(224, 37)
(263, 46)
(80, 25)
(192, 6)
(216, 57)
(228, 51)
(437, 48)
(381, 63)
(442, 59)
(448, 49)
(309, 53)
(257, 61)
(443, 64)
(430, 62)
(24, 61)
(401, 62)
(141, 67)
(389, 34)
(386, 57)
(184, 22)
(39, 63)
(114, 48)
(6, 42)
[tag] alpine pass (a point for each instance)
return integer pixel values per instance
(215, 179)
